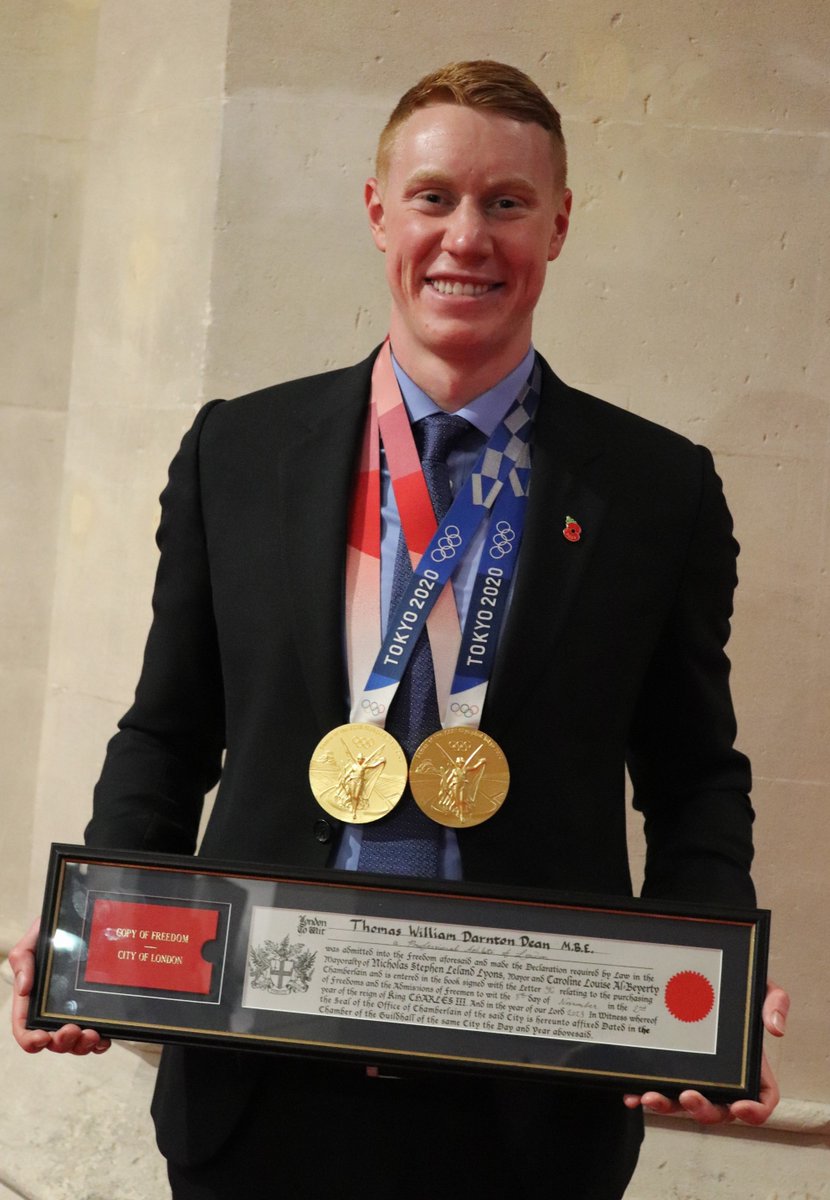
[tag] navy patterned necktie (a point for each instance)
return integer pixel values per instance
(407, 842)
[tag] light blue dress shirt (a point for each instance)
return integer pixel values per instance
(484, 414)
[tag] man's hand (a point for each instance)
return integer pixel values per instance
(753, 1112)
(69, 1039)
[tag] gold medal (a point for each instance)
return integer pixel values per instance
(459, 777)
(357, 773)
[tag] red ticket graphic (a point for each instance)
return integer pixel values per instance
(150, 946)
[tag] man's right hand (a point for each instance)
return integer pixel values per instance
(69, 1039)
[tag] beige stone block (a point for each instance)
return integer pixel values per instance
(79, 1128)
(791, 879)
(41, 182)
(156, 55)
(21, 710)
(116, 466)
(47, 65)
(31, 455)
(46, 73)
(31, 459)
(702, 63)
(698, 64)
(297, 283)
(682, 1161)
(145, 262)
(781, 678)
(686, 283)
(378, 48)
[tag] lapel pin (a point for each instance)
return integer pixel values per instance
(572, 530)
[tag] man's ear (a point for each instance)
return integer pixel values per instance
(374, 210)
(560, 225)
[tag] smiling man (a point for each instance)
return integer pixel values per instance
(291, 607)
(469, 208)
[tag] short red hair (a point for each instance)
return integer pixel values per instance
(479, 84)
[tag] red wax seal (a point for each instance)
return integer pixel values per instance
(572, 530)
(689, 996)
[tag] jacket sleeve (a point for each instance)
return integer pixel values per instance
(168, 750)
(689, 781)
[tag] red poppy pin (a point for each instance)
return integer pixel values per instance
(572, 530)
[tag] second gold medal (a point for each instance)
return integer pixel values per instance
(459, 777)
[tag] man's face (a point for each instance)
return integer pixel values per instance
(468, 216)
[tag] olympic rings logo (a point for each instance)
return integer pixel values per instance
(447, 545)
(502, 540)
(466, 710)
(372, 706)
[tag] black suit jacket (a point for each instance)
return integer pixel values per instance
(613, 653)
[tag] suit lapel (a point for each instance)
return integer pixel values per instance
(550, 567)
(318, 458)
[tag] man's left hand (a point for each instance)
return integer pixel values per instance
(753, 1112)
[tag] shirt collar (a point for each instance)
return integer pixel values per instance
(485, 412)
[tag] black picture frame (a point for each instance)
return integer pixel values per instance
(431, 974)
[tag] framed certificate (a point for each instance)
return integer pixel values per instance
(408, 974)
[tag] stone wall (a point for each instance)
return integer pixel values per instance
(47, 69)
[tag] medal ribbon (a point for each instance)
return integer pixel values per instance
(488, 604)
(497, 486)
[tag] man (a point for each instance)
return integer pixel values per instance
(611, 653)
